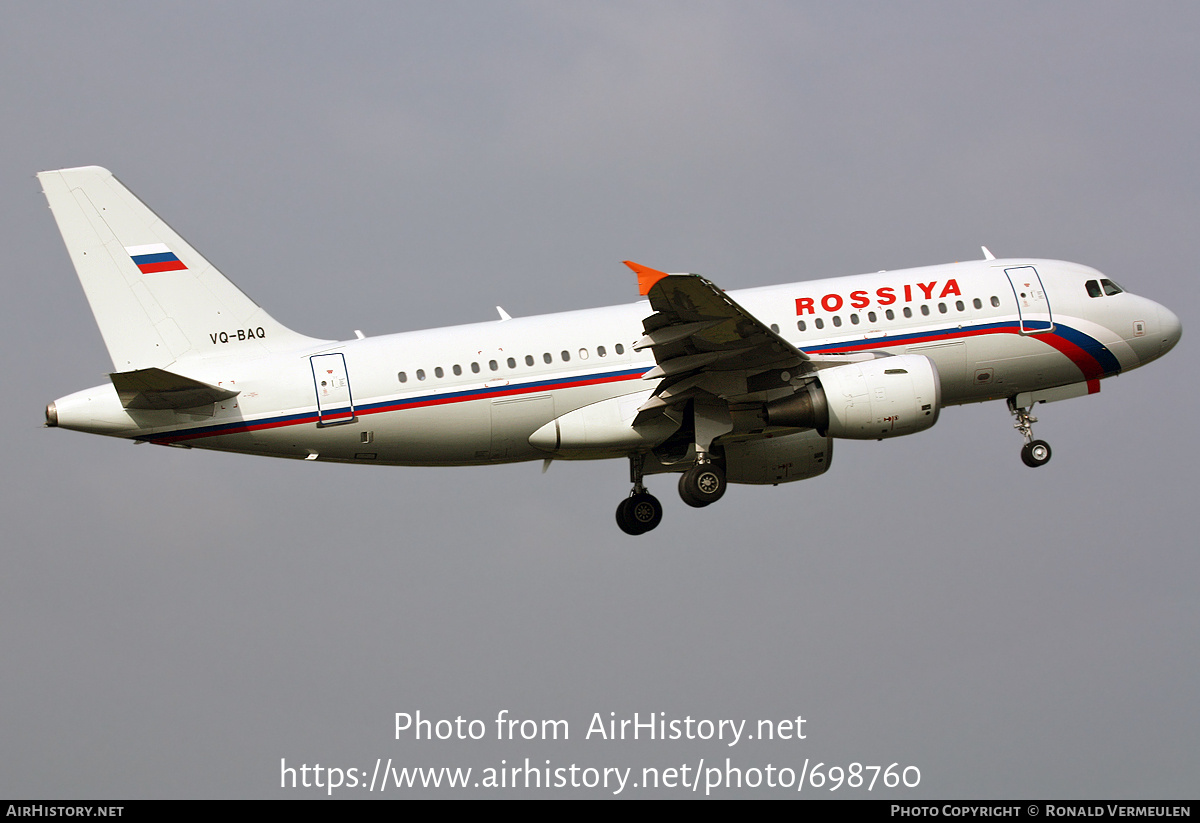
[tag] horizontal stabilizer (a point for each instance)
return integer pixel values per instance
(159, 389)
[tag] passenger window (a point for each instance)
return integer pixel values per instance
(907, 311)
(403, 377)
(512, 364)
(619, 349)
(854, 318)
(583, 354)
(566, 356)
(1110, 287)
(493, 365)
(475, 368)
(600, 350)
(872, 317)
(1093, 288)
(996, 301)
(977, 303)
(420, 374)
(529, 360)
(819, 323)
(775, 328)
(837, 320)
(889, 314)
(942, 308)
(438, 372)
(457, 369)
(800, 325)
(958, 304)
(925, 309)
(547, 357)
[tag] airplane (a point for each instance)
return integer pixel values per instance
(747, 387)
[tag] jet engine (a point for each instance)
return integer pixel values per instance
(870, 400)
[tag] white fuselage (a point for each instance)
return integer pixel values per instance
(475, 394)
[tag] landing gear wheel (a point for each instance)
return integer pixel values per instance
(1035, 453)
(639, 514)
(702, 485)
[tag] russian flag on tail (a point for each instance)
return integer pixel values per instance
(154, 258)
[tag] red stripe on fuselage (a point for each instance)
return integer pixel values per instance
(399, 406)
(1087, 363)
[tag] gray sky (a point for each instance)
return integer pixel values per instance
(173, 623)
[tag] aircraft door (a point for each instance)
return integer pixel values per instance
(1032, 303)
(335, 404)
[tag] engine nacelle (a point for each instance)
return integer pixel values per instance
(871, 400)
(780, 458)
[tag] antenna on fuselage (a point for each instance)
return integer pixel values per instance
(987, 255)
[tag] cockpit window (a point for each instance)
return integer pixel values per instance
(1110, 287)
(1093, 288)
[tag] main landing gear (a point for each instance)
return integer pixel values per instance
(1035, 452)
(702, 484)
(641, 511)
(699, 486)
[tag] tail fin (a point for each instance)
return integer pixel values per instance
(155, 298)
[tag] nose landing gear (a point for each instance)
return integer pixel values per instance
(1035, 452)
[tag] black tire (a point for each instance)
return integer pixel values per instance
(1035, 453)
(639, 514)
(702, 485)
(624, 521)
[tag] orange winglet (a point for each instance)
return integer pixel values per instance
(647, 276)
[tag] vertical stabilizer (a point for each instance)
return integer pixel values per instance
(155, 298)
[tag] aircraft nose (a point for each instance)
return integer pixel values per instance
(1170, 329)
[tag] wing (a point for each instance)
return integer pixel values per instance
(705, 344)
